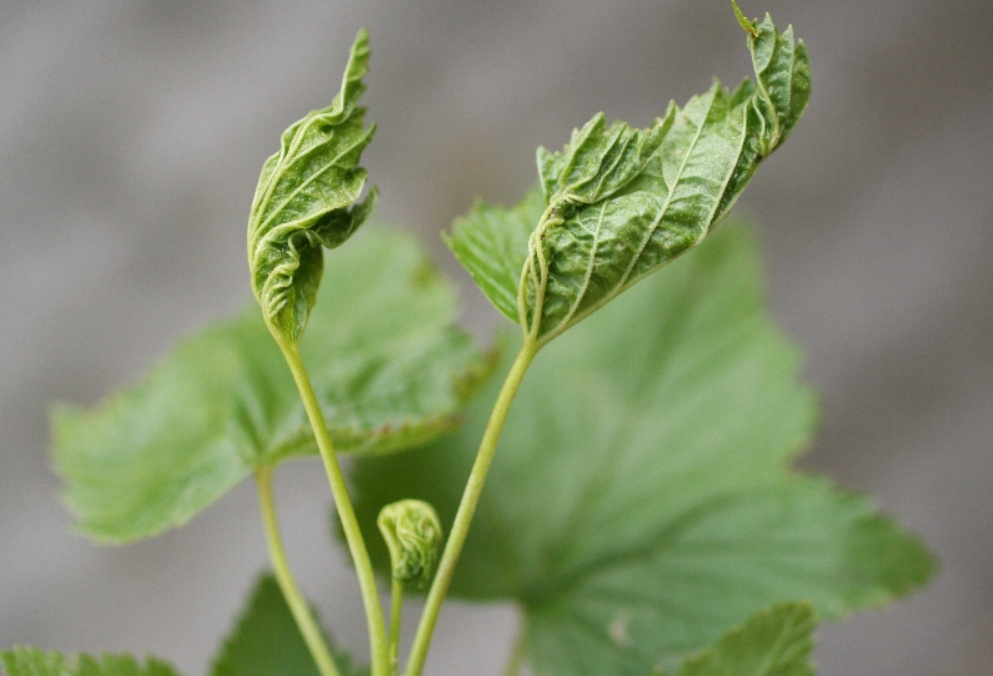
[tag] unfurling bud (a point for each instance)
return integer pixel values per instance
(413, 535)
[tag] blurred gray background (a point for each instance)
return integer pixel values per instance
(131, 137)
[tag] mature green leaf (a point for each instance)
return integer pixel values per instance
(307, 199)
(640, 503)
(266, 641)
(26, 661)
(618, 203)
(387, 362)
(773, 643)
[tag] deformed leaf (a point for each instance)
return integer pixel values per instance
(27, 661)
(618, 202)
(641, 502)
(307, 199)
(266, 641)
(777, 642)
(389, 366)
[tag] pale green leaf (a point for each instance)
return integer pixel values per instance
(266, 641)
(388, 364)
(618, 203)
(492, 244)
(777, 642)
(641, 503)
(27, 661)
(308, 199)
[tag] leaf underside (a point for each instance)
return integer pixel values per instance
(307, 199)
(641, 501)
(266, 641)
(388, 364)
(618, 203)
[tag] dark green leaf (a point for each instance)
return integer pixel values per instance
(25, 661)
(618, 203)
(266, 641)
(641, 501)
(387, 362)
(307, 199)
(773, 643)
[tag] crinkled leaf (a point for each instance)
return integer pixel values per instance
(26, 661)
(618, 203)
(387, 362)
(777, 642)
(640, 503)
(266, 641)
(307, 198)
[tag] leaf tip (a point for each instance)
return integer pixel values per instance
(749, 26)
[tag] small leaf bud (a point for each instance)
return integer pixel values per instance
(413, 535)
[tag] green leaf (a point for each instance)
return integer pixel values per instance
(26, 661)
(773, 643)
(388, 364)
(307, 199)
(492, 243)
(618, 203)
(266, 641)
(641, 503)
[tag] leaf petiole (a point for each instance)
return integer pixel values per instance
(304, 618)
(518, 655)
(467, 507)
(378, 646)
(396, 615)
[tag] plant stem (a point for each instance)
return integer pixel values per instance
(396, 610)
(470, 498)
(517, 654)
(378, 647)
(304, 618)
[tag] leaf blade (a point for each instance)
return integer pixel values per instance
(619, 202)
(389, 366)
(265, 640)
(642, 482)
(492, 243)
(28, 661)
(777, 642)
(308, 199)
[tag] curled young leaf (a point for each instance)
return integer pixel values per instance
(413, 537)
(308, 198)
(618, 203)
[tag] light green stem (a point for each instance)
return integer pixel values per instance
(396, 615)
(312, 635)
(470, 498)
(516, 661)
(378, 647)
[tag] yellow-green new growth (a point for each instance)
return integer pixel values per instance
(413, 536)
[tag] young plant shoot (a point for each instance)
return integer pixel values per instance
(642, 511)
